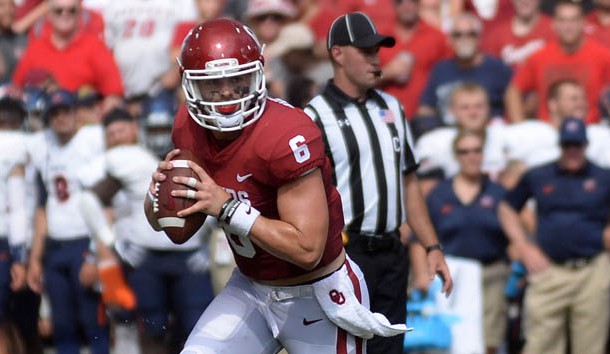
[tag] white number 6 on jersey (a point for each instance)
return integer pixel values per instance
(300, 151)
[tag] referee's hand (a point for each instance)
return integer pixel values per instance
(438, 266)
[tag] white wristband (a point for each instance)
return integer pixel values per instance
(241, 219)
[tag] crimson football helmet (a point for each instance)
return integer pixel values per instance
(222, 75)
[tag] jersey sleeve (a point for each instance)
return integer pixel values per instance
(298, 150)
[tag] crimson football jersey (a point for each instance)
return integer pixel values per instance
(276, 150)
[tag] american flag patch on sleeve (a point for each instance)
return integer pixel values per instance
(386, 116)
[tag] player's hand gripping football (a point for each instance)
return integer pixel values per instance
(158, 176)
(208, 195)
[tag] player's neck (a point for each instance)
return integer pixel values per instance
(224, 139)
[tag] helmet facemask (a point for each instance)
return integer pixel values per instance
(225, 96)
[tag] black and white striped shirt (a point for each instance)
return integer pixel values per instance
(369, 145)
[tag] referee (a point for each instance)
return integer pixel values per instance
(368, 143)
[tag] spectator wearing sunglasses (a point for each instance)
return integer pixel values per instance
(469, 64)
(74, 57)
(463, 210)
(89, 20)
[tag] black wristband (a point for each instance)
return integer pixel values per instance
(224, 207)
(231, 210)
(436, 246)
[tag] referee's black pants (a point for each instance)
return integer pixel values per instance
(386, 273)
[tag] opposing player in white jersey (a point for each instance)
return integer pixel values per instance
(140, 32)
(469, 104)
(13, 158)
(167, 278)
(535, 142)
(61, 156)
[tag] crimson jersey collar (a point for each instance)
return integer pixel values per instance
(336, 94)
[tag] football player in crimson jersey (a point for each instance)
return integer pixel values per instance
(266, 177)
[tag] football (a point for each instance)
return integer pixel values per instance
(178, 229)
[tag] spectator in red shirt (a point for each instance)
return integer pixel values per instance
(73, 57)
(516, 38)
(598, 22)
(406, 66)
(572, 56)
(88, 21)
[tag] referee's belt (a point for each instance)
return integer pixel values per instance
(371, 242)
